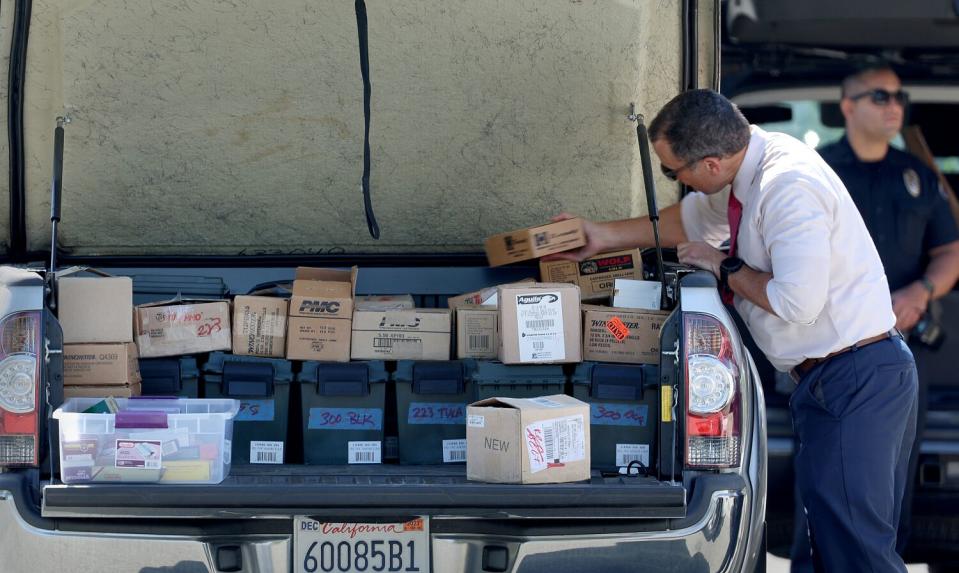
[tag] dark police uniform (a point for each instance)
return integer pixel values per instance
(907, 215)
(903, 205)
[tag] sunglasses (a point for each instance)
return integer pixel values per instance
(673, 174)
(883, 97)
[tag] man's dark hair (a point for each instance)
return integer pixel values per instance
(700, 123)
(853, 83)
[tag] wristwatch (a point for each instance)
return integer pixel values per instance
(729, 266)
(927, 284)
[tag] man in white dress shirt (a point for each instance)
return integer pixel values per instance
(806, 278)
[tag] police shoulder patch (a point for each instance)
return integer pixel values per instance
(911, 179)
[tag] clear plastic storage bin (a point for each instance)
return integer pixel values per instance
(172, 440)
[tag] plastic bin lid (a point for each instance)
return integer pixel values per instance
(187, 364)
(167, 375)
(171, 406)
(282, 369)
(432, 376)
(405, 368)
(612, 381)
(485, 372)
(586, 372)
(377, 370)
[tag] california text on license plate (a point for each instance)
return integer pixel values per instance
(352, 547)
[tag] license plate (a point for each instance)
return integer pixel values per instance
(361, 547)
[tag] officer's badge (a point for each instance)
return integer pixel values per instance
(911, 179)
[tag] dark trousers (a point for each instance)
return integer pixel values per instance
(855, 419)
(921, 353)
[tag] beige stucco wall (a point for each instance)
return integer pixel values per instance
(204, 127)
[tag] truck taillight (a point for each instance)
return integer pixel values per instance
(19, 389)
(712, 394)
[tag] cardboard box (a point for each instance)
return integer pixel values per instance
(117, 391)
(528, 440)
(525, 244)
(629, 293)
(595, 275)
(100, 364)
(420, 334)
(482, 297)
(384, 302)
(634, 340)
(540, 323)
(323, 293)
(95, 309)
(165, 329)
(259, 326)
(477, 335)
(326, 339)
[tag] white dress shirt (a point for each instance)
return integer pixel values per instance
(829, 289)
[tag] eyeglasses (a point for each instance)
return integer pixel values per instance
(883, 97)
(673, 174)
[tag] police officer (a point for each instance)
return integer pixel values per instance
(900, 199)
(905, 210)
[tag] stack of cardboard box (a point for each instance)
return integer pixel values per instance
(177, 327)
(404, 334)
(475, 317)
(321, 315)
(99, 356)
(259, 326)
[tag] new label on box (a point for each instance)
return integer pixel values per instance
(543, 440)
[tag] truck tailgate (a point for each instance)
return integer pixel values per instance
(333, 491)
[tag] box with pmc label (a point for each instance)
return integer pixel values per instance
(323, 293)
(321, 313)
(528, 440)
(540, 323)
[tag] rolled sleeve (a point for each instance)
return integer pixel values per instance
(941, 229)
(705, 217)
(797, 227)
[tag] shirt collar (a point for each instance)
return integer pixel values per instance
(844, 152)
(743, 181)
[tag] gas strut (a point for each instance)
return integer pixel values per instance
(56, 187)
(644, 156)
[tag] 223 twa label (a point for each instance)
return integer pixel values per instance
(555, 442)
(617, 328)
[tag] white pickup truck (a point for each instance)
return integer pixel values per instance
(232, 140)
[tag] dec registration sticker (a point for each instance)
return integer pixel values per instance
(356, 547)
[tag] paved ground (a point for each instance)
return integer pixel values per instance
(779, 565)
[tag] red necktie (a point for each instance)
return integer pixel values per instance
(735, 215)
